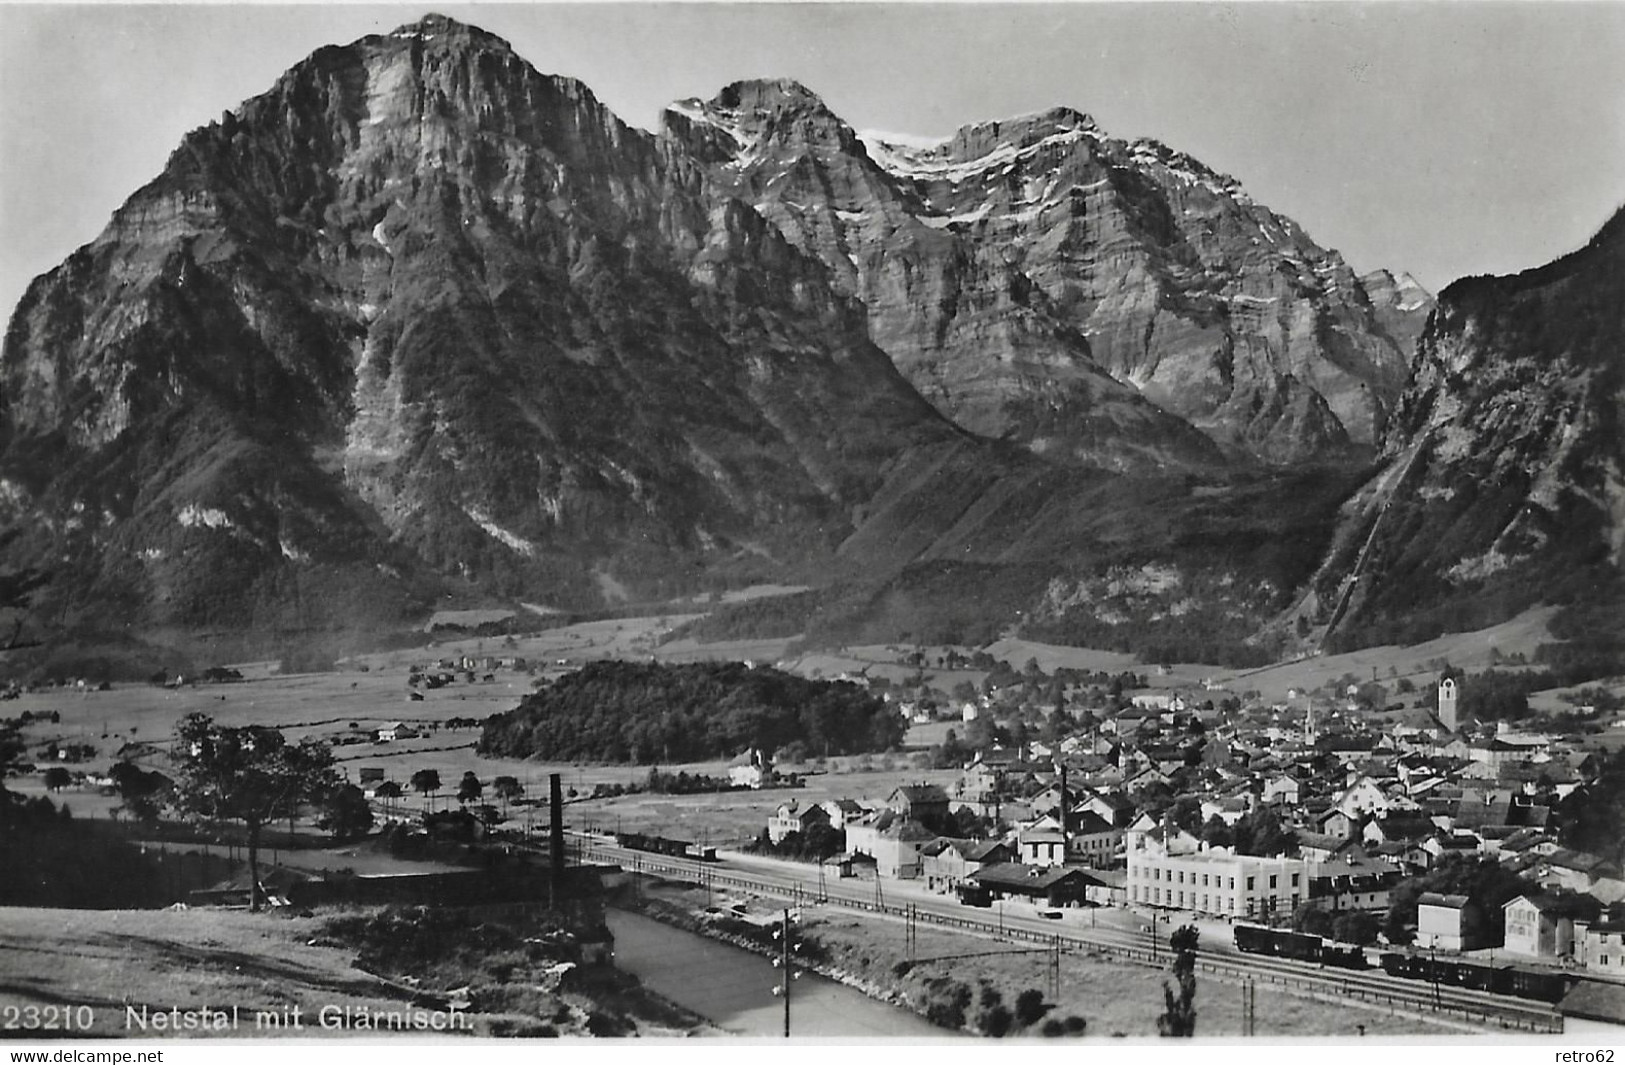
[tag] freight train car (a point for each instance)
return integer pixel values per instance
(1282, 943)
(674, 848)
(1544, 985)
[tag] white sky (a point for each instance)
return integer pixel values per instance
(1441, 138)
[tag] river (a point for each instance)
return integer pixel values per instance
(733, 988)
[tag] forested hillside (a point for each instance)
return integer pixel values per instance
(647, 714)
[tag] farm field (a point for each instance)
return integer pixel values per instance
(326, 705)
(1472, 651)
(734, 817)
(1051, 657)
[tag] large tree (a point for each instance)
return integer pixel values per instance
(1483, 879)
(507, 788)
(253, 775)
(1261, 833)
(143, 793)
(346, 813)
(1592, 818)
(1178, 1018)
(426, 782)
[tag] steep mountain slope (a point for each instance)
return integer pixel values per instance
(423, 309)
(1504, 476)
(1039, 280)
(421, 321)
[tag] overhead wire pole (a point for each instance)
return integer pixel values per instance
(785, 963)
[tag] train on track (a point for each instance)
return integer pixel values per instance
(1544, 985)
(1283, 943)
(672, 848)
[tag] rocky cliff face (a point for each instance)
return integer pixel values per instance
(419, 304)
(421, 318)
(1503, 481)
(1095, 298)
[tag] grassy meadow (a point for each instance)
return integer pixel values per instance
(370, 691)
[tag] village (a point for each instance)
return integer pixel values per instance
(1379, 816)
(1308, 814)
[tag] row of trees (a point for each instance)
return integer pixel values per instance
(250, 775)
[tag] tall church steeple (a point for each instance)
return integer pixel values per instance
(1447, 703)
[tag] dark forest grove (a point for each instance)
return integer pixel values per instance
(631, 712)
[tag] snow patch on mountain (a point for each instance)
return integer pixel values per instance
(939, 164)
(193, 515)
(507, 539)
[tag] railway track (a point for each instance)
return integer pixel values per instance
(1301, 978)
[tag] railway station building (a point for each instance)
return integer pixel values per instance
(1218, 882)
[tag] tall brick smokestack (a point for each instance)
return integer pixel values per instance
(555, 834)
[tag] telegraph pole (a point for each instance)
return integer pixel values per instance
(787, 977)
(785, 962)
(1055, 968)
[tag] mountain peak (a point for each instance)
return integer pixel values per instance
(437, 27)
(1066, 118)
(768, 94)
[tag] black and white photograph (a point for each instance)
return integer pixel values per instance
(852, 523)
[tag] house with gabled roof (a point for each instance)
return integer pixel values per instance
(1091, 841)
(1572, 870)
(1281, 789)
(1146, 778)
(1041, 843)
(752, 769)
(1149, 835)
(1399, 828)
(1227, 808)
(1442, 844)
(1314, 847)
(1543, 926)
(945, 862)
(1352, 884)
(892, 840)
(1363, 795)
(1051, 798)
(1450, 922)
(1115, 808)
(1600, 947)
(925, 803)
(793, 818)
